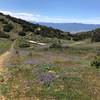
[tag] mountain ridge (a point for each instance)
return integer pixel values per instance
(71, 27)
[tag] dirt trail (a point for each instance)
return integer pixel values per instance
(3, 59)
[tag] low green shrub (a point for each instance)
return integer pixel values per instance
(22, 43)
(1, 19)
(3, 35)
(22, 33)
(56, 45)
(8, 28)
(96, 62)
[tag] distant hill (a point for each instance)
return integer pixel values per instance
(12, 28)
(93, 35)
(72, 27)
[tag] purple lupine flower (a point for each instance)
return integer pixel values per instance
(29, 62)
(47, 78)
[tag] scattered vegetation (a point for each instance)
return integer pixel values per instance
(56, 45)
(22, 43)
(94, 35)
(1, 19)
(8, 28)
(5, 45)
(22, 33)
(39, 29)
(4, 35)
(36, 72)
(82, 36)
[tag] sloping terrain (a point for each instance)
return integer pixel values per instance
(59, 69)
(13, 28)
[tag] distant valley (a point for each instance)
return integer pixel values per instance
(71, 27)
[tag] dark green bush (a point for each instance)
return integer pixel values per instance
(8, 28)
(1, 19)
(96, 35)
(22, 33)
(96, 62)
(56, 45)
(3, 35)
(82, 36)
(22, 43)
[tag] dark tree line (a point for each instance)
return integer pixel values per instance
(94, 35)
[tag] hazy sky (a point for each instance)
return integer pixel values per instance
(85, 11)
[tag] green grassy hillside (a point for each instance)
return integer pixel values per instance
(62, 69)
(14, 27)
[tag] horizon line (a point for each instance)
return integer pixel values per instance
(46, 19)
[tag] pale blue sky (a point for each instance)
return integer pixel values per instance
(81, 11)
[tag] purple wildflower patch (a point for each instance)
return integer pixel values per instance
(30, 62)
(47, 78)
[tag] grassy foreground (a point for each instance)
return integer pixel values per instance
(52, 74)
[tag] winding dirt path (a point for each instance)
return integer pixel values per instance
(3, 59)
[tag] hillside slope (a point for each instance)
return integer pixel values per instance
(59, 69)
(12, 28)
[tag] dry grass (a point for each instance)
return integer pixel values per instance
(52, 75)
